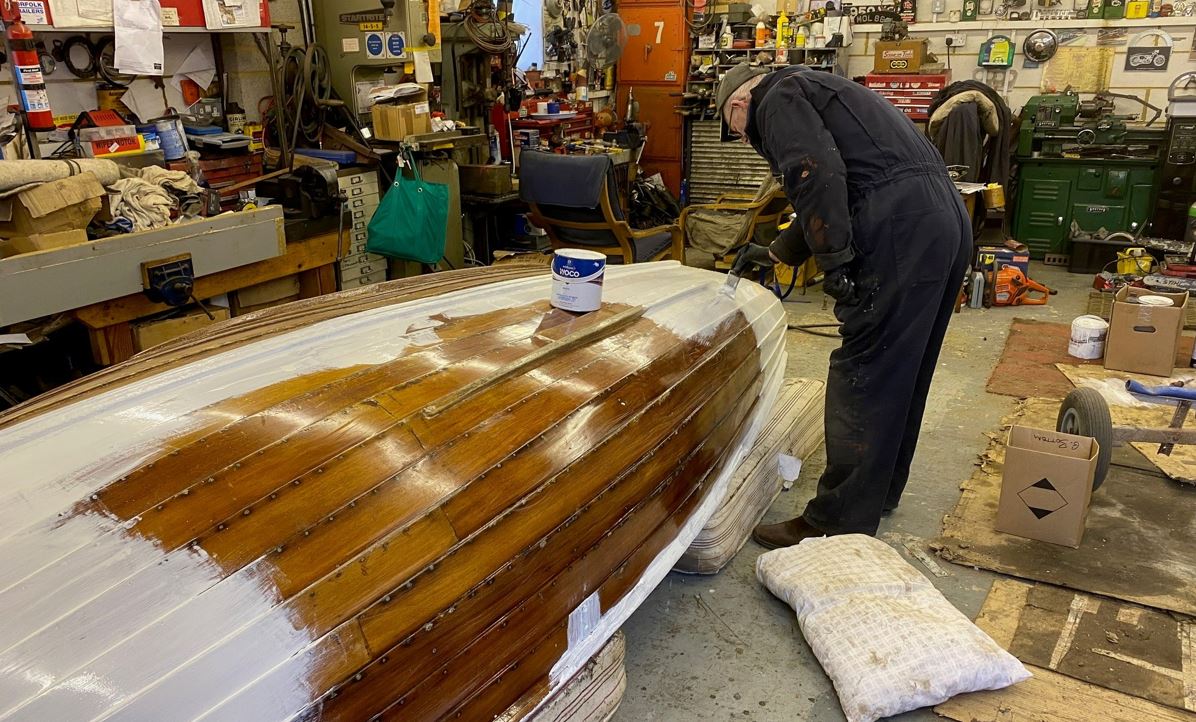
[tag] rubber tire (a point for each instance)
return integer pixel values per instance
(1089, 416)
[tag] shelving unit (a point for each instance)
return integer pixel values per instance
(999, 24)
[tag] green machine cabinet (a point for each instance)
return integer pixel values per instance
(1054, 193)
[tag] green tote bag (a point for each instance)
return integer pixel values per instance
(411, 220)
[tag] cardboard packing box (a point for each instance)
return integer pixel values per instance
(409, 115)
(900, 56)
(1047, 485)
(1143, 339)
(62, 205)
(46, 241)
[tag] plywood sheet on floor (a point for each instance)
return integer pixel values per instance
(1140, 534)
(1047, 695)
(1027, 368)
(1127, 647)
(1126, 410)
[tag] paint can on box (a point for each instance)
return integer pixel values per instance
(1088, 335)
(577, 279)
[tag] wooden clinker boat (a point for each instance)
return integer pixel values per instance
(436, 498)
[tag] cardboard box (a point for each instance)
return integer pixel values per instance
(46, 241)
(147, 334)
(1143, 339)
(408, 116)
(991, 258)
(1047, 485)
(900, 56)
(264, 295)
(63, 205)
(485, 180)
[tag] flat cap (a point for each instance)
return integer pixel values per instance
(731, 81)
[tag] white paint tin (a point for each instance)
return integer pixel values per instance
(577, 279)
(1088, 337)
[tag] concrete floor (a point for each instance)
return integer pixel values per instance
(722, 647)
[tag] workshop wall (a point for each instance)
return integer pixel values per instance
(1025, 82)
(249, 76)
(248, 71)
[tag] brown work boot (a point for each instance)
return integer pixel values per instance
(785, 534)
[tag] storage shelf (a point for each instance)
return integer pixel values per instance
(995, 24)
(165, 30)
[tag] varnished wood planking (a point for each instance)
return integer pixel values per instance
(294, 576)
(312, 604)
(653, 517)
(149, 485)
(524, 577)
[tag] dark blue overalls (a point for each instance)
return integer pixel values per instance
(873, 197)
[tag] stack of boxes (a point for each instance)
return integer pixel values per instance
(358, 267)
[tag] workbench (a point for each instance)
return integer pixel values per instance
(109, 322)
(100, 283)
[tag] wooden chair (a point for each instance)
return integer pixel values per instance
(757, 216)
(574, 199)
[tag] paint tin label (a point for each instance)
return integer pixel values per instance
(577, 279)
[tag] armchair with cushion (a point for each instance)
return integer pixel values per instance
(735, 219)
(575, 200)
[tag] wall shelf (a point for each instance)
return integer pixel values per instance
(995, 24)
(165, 30)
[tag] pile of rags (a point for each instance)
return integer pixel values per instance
(148, 199)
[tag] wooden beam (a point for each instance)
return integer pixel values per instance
(305, 255)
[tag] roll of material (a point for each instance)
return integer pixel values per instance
(1088, 334)
(1154, 301)
(16, 175)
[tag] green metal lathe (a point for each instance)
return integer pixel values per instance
(1084, 172)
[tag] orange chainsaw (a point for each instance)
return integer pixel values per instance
(1013, 289)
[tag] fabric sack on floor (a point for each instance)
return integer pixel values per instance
(886, 637)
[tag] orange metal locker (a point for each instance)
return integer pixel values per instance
(654, 64)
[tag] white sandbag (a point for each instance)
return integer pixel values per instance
(886, 637)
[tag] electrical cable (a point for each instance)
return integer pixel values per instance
(810, 328)
(87, 71)
(498, 39)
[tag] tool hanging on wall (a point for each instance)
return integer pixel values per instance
(78, 54)
(105, 60)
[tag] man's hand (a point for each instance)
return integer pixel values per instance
(840, 286)
(749, 257)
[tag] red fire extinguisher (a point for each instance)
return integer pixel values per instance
(27, 68)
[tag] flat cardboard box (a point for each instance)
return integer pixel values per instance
(147, 334)
(410, 115)
(485, 180)
(62, 205)
(900, 56)
(1047, 485)
(1143, 339)
(46, 241)
(264, 295)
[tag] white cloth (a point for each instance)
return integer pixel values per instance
(886, 637)
(176, 180)
(145, 204)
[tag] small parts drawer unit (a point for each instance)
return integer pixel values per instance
(912, 94)
(357, 267)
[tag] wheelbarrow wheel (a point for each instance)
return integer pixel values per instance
(1085, 413)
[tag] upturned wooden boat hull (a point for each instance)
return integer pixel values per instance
(436, 499)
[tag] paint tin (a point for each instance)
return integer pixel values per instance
(577, 279)
(1088, 335)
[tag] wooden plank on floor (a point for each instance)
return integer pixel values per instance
(1047, 695)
